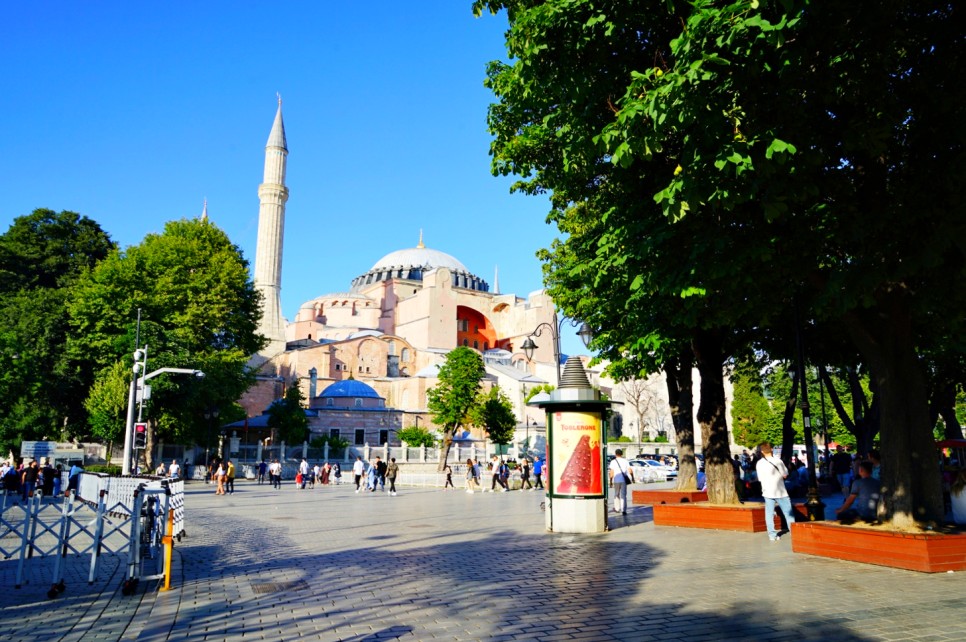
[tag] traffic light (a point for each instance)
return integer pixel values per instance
(140, 435)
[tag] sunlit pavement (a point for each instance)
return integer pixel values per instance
(331, 564)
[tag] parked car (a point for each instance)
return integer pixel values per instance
(645, 474)
(656, 469)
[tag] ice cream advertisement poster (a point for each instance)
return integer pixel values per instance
(576, 442)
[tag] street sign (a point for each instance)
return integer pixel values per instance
(37, 449)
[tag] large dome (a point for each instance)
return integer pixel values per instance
(411, 263)
(423, 257)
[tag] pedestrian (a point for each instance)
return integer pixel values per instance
(358, 468)
(262, 469)
(230, 477)
(525, 474)
(381, 473)
(372, 477)
(449, 478)
(391, 471)
(326, 473)
(842, 468)
(174, 470)
(620, 474)
(304, 471)
(772, 473)
(538, 472)
(160, 471)
(57, 481)
(220, 479)
(73, 477)
(48, 473)
(28, 479)
(337, 473)
(471, 482)
(496, 466)
(275, 473)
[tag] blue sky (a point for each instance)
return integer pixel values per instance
(133, 113)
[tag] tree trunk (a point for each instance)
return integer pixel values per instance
(708, 352)
(943, 404)
(788, 425)
(910, 474)
(444, 451)
(681, 399)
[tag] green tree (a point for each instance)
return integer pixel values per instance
(751, 415)
(494, 413)
(41, 256)
(455, 394)
(286, 417)
(199, 310)
(106, 403)
(718, 166)
(415, 436)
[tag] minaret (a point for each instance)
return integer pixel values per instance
(272, 195)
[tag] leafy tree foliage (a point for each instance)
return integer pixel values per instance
(286, 416)
(416, 436)
(455, 394)
(199, 310)
(716, 166)
(494, 412)
(41, 256)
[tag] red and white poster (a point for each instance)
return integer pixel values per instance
(576, 468)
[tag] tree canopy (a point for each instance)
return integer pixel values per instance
(286, 416)
(199, 310)
(455, 393)
(494, 413)
(41, 256)
(722, 169)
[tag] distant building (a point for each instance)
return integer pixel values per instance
(390, 331)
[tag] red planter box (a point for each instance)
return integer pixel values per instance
(928, 553)
(749, 518)
(667, 496)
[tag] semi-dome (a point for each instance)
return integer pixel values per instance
(349, 388)
(411, 263)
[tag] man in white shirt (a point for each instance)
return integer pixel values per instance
(357, 469)
(620, 474)
(772, 473)
(174, 470)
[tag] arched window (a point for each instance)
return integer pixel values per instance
(358, 403)
(330, 402)
(405, 354)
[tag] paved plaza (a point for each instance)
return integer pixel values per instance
(330, 564)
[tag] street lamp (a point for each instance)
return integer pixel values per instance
(140, 392)
(585, 334)
(417, 420)
(813, 505)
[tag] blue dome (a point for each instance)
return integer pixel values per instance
(349, 388)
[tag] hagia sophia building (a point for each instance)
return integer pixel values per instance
(365, 357)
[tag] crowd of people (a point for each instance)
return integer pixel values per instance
(26, 477)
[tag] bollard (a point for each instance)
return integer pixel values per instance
(168, 540)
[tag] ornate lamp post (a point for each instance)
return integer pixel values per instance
(211, 416)
(585, 334)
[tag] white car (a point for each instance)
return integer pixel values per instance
(648, 470)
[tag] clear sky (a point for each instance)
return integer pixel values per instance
(133, 113)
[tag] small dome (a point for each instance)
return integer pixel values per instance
(349, 388)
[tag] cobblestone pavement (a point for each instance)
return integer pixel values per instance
(330, 564)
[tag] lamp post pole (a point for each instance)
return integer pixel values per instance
(813, 505)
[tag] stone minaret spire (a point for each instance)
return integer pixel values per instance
(272, 195)
(496, 279)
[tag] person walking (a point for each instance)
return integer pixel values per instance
(471, 482)
(220, 479)
(525, 474)
(381, 473)
(337, 473)
(358, 468)
(275, 473)
(174, 470)
(262, 469)
(372, 476)
(620, 475)
(538, 473)
(449, 478)
(772, 473)
(230, 477)
(391, 471)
